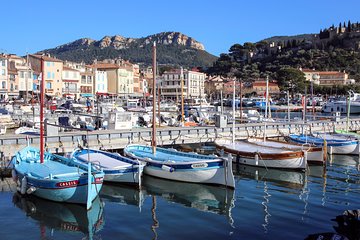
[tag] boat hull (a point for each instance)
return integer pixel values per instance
(333, 146)
(117, 169)
(315, 155)
(76, 194)
(197, 169)
(57, 179)
(277, 159)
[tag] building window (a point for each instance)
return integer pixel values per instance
(3, 84)
(48, 75)
(48, 64)
(53, 75)
(48, 85)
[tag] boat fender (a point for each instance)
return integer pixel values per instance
(30, 190)
(23, 185)
(14, 175)
(256, 159)
(167, 168)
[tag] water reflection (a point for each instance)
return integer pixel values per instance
(62, 216)
(284, 178)
(122, 194)
(207, 198)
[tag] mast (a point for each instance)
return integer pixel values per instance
(348, 112)
(159, 104)
(266, 105)
(233, 125)
(27, 78)
(153, 139)
(42, 111)
(182, 94)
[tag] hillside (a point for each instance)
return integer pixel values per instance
(333, 49)
(173, 48)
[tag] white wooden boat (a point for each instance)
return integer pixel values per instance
(117, 168)
(186, 167)
(334, 146)
(252, 154)
(315, 155)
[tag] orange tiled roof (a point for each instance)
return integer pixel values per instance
(46, 58)
(70, 69)
(105, 66)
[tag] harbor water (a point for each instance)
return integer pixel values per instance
(266, 204)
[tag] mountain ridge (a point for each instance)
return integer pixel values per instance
(174, 48)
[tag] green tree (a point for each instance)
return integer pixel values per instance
(291, 79)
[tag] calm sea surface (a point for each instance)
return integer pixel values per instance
(269, 204)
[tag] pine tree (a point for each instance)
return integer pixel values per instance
(349, 26)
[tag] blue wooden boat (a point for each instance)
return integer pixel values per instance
(334, 146)
(117, 168)
(187, 167)
(58, 178)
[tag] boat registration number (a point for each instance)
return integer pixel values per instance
(68, 184)
(199, 165)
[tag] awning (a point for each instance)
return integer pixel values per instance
(101, 93)
(86, 94)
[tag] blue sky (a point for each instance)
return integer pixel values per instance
(31, 26)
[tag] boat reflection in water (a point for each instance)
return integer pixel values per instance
(203, 197)
(285, 178)
(65, 217)
(345, 160)
(123, 194)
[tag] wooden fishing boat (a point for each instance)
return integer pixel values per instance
(58, 178)
(179, 166)
(334, 146)
(315, 155)
(117, 168)
(252, 154)
(187, 167)
(53, 177)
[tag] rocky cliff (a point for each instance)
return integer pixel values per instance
(175, 48)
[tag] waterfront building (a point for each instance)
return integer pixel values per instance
(228, 88)
(3, 76)
(328, 78)
(125, 78)
(87, 82)
(213, 86)
(52, 73)
(105, 78)
(194, 84)
(20, 77)
(71, 82)
(260, 88)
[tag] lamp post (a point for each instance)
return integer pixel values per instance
(315, 79)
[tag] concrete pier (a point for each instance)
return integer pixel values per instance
(118, 139)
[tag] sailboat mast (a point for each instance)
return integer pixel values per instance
(266, 105)
(42, 111)
(233, 125)
(182, 94)
(153, 139)
(348, 112)
(266, 97)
